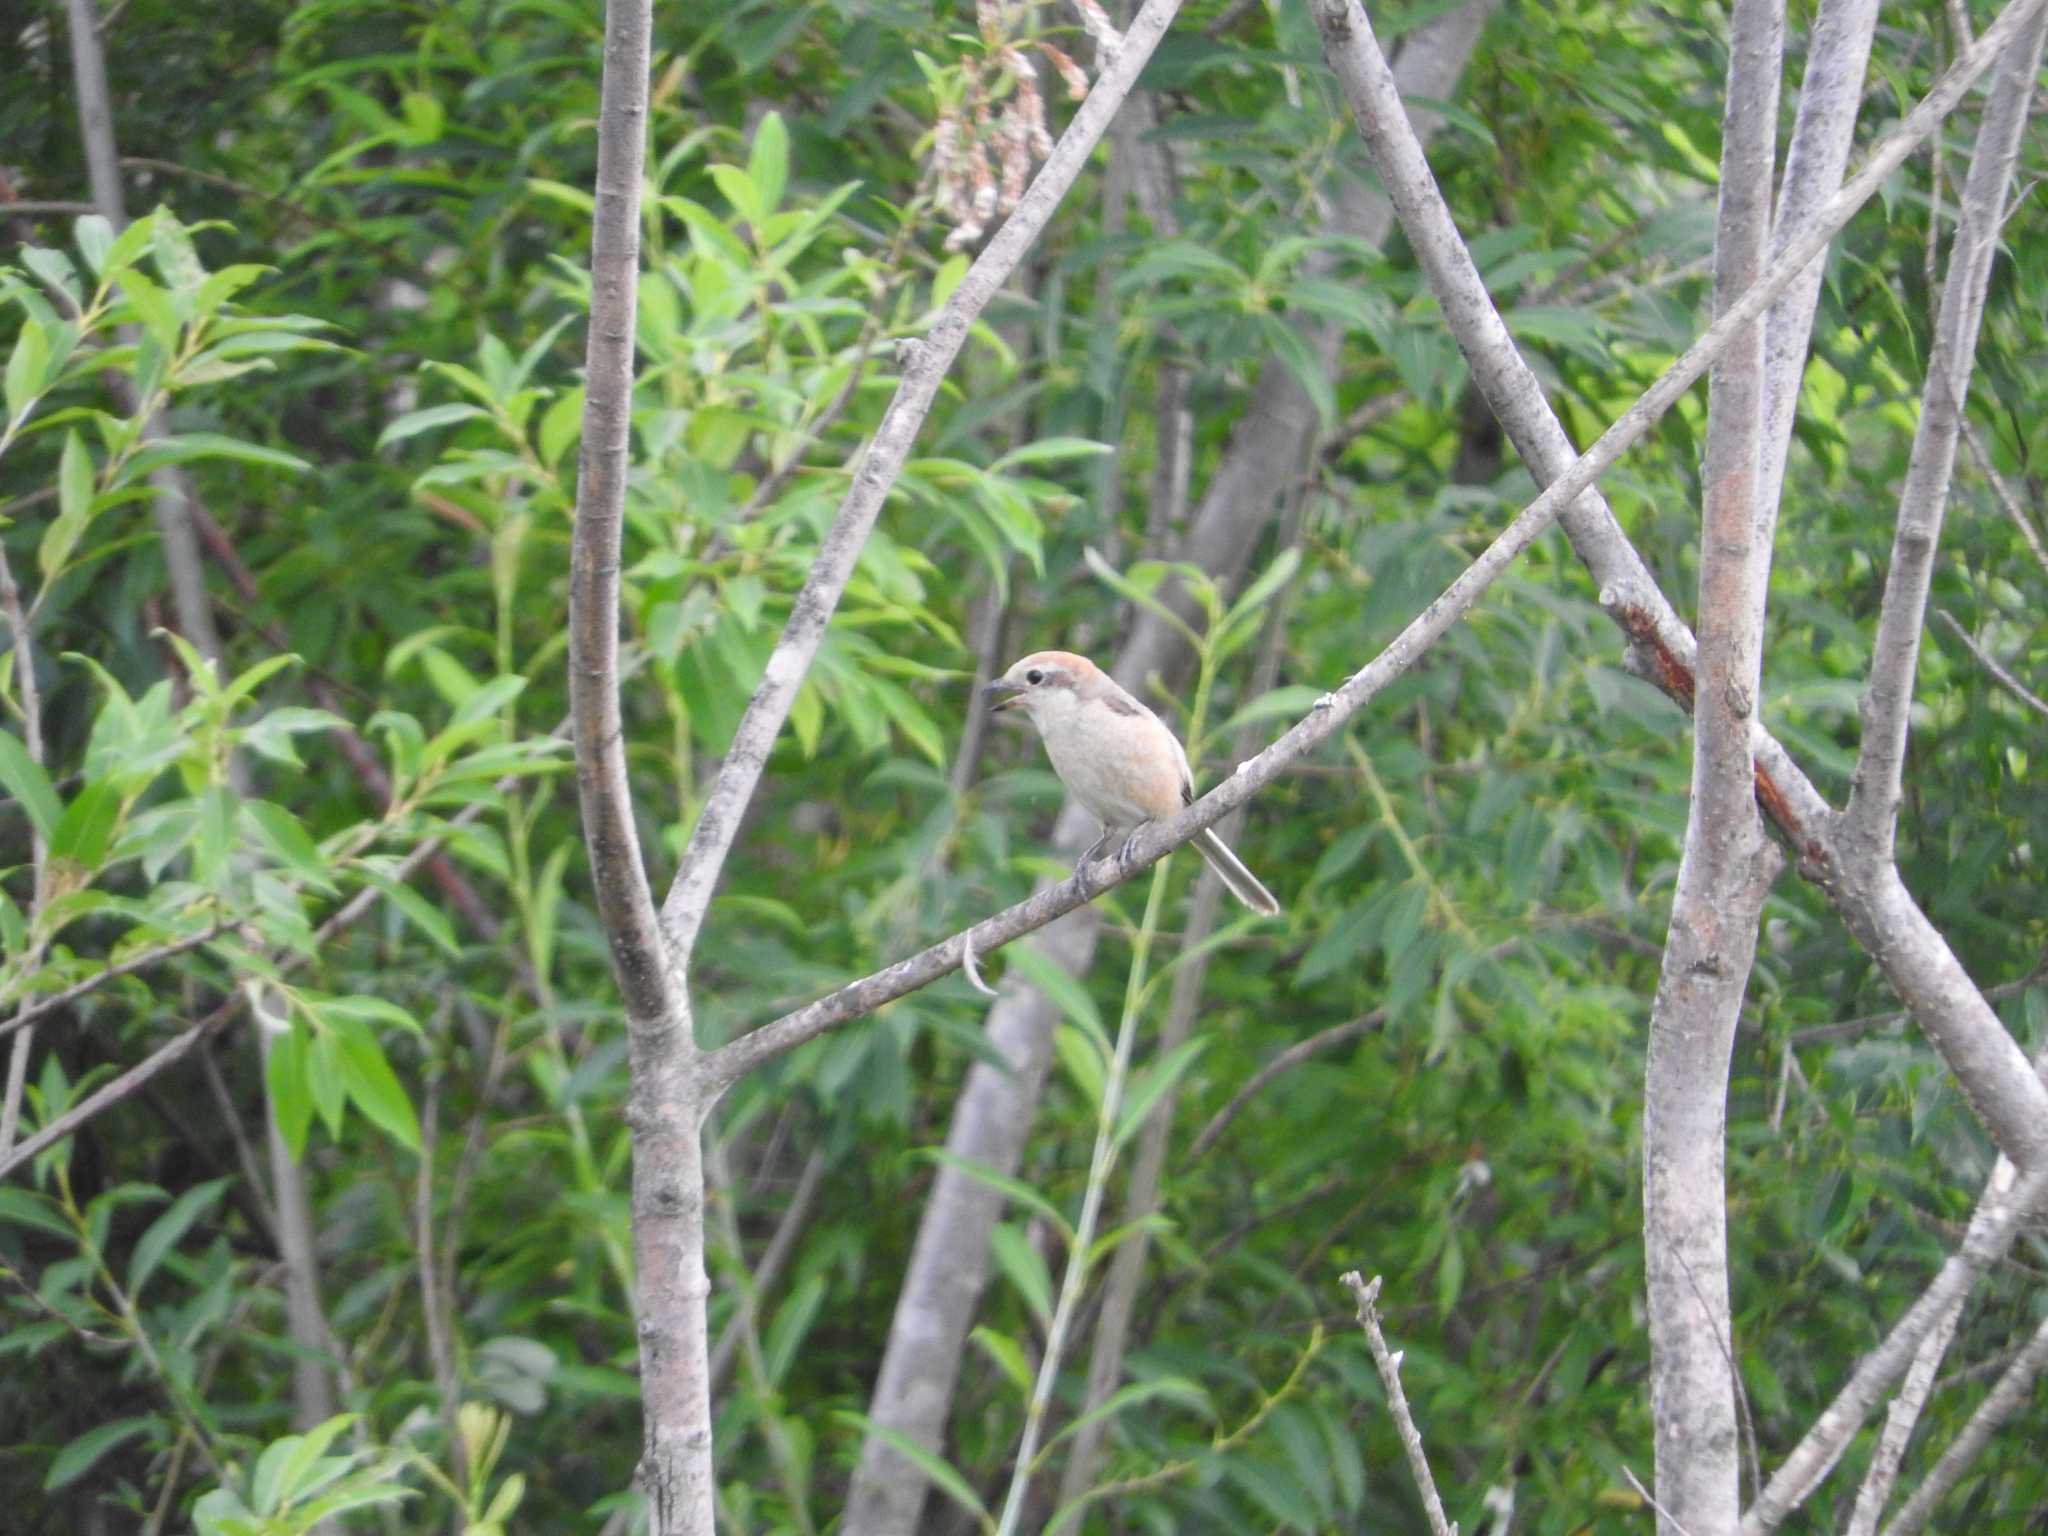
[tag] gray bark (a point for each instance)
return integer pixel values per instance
(1726, 865)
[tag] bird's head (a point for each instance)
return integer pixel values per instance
(1042, 681)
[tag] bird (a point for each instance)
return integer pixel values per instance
(1115, 756)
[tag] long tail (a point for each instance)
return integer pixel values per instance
(1243, 884)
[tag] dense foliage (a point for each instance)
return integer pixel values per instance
(358, 308)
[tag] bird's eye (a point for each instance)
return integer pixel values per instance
(1034, 676)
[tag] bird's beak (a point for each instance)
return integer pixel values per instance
(1002, 694)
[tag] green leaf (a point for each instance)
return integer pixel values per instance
(131, 242)
(74, 506)
(210, 846)
(25, 782)
(26, 365)
(289, 1468)
(941, 1473)
(1066, 992)
(291, 1097)
(1008, 1356)
(372, 1085)
(86, 829)
(54, 268)
(415, 422)
(165, 1232)
(1083, 1059)
(1251, 603)
(451, 679)
(1022, 1265)
(364, 1009)
(547, 901)
(26, 1208)
(1172, 1388)
(739, 190)
(417, 910)
(1051, 450)
(561, 425)
(768, 163)
(1155, 1083)
(84, 1453)
(1274, 1491)
(1124, 587)
(793, 1320)
(210, 445)
(94, 236)
(485, 702)
(1299, 358)
(1016, 1189)
(278, 830)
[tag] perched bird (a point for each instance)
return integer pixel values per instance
(1115, 756)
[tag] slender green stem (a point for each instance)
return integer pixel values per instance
(1100, 1165)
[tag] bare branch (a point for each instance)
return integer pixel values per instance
(1917, 961)
(1302, 1050)
(1993, 1227)
(1843, 1029)
(1906, 1408)
(1991, 664)
(142, 961)
(924, 366)
(768, 1269)
(1904, 1412)
(2014, 1387)
(654, 1001)
(16, 620)
(1726, 866)
(2004, 492)
(174, 1050)
(1871, 818)
(1367, 1297)
(1830, 91)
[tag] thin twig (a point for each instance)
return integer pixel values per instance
(1843, 1029)
(768, 1268)
(1651, 1499)
(1302, 1050)
(179, 1046)
(1991, 664)
(2011, 1393)
(39, 853)
(1869, 821)
(1367, 1297)
(1993, 1227)
(2007, 498)
(28, 1013)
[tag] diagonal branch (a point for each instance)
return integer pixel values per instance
(1155, 841)
(1286, 1061)
(16, 621)
(1871, 819)
(1917, 961)
(1991, 664)
(180, 1045)
(2006, 1398)
(1992, 1230)
(925, 364)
